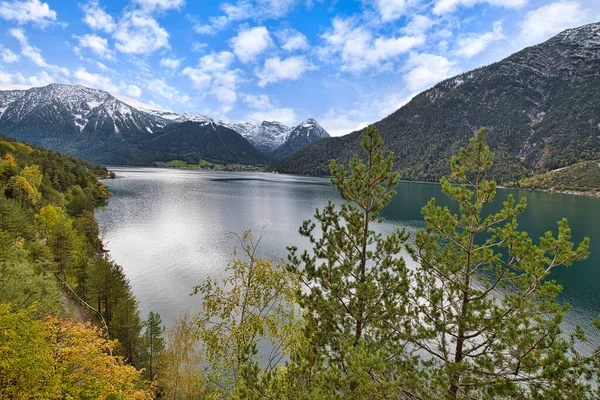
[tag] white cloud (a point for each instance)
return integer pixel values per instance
(139, 33)
(171, 63)
(134, 91)
(96, 81)
(103, 67)
(8, 56)
(257, 102)
(341, 121)
(473, 44)
(33, 53)
(5, 79)
(547, 21)
(198, 47)
(41, 79)
(96, 44)
(212, 76)
(276, 70)
(159, 5)
(286, 116)
(224, 95)
(425, 70)
(291, 40)
(358, 48)
(97, 19)
(391, 10)
(265, 111)
(243, 10)
(249, 43)
(418, 25)
(161, 88)
(449, 6)
(140, 105)
(27, 11)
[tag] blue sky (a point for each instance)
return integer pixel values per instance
(345, 63)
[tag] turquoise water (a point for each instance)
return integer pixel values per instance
(167, 228)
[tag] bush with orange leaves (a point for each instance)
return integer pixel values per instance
(60, 359)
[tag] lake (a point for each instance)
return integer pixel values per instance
(168, 228)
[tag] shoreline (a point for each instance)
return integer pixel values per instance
(592, 193)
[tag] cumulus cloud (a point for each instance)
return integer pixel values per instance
(164, 90)
(170, 63)
(340, 121)
(547, 21)
(134, 91)
(425, 70)
(243, 10)
(212, 76)
(470, 45)
(159, 5)
(359, 49)
(286, 116)
(391, 10)
(96, 81)
(418, 25)
(97, 19)
(5, 78)
(33, 53)
(139, 33)
(31, 11)
(292, 40)
(8, 56)
(249, 43)
(449, 6)
(41, 79)
(276, 70)
(264, 110)
(257, 101)
(98, 45)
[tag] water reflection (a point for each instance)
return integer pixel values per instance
(167, 228)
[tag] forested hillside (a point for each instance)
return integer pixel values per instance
(47, 227)
(540, 106)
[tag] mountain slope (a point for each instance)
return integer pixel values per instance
(541, 107)
(266, 137)
(192, 141)
(301, 136)
(95, 125)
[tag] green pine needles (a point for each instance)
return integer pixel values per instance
(482, 309)
(477, 317)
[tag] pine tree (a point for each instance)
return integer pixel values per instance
(485, 318)
(154, 333)
(354, 278)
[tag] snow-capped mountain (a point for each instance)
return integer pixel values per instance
(175, 118)
(72, 110)
(270, 137)
(266, 137)
(93, 124)
(301, 136)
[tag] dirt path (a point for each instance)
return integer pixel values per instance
(73, 310)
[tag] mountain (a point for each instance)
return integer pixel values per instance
(266, 137)
(301, 136)
(192, 141)
(541, 107)
(57, 115)
(95, 125)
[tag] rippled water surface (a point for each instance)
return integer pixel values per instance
(167, 228)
